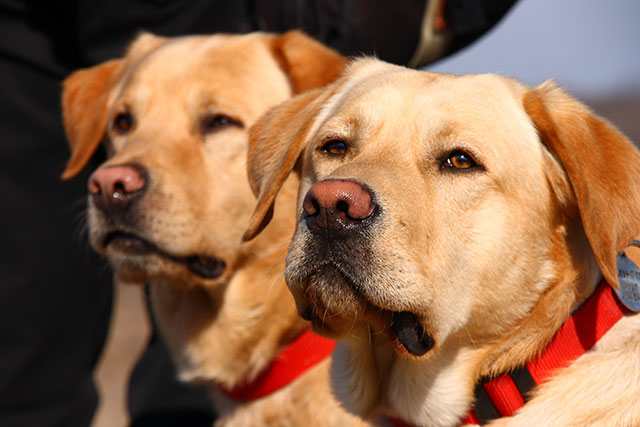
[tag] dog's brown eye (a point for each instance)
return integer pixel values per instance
(216, 122)
(122, 122)
(334, 147)
(460, 160)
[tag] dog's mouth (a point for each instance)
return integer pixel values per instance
(334, 300)
(128, 243)
(410, 333)
(204, 266)
(403, 328)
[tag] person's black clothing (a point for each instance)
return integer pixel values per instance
(390, 30)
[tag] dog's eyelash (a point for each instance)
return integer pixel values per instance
(216, 122)
(123, 122)
(334, 147)
(460, 160)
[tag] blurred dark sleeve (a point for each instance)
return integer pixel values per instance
(406, 32)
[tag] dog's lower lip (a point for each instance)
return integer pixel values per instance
(411, 334)
(206, 267)
(128, 243)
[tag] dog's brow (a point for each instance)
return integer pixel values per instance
(445, 131)
(441, 136)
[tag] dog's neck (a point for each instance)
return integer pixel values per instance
(575, 277)
(439, 390)
(228, 334)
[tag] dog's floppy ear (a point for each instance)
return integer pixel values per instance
(603, 168)
(85, 96)
(276, 142)
(277, 139)
(308, 63)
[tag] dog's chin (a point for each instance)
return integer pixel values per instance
(130, 271)
(333, 302)
(136, 259)
(328, 300)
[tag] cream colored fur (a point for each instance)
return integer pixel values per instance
(490, 260)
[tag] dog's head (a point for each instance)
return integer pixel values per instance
(174, 116)
(439, 209)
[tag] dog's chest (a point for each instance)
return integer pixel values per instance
(435, 392)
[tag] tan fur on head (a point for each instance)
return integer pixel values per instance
(85, 100)
(490, 261)
(276, 142)
(307, 63)
(143, 45)
(306, 73)
(280, 130)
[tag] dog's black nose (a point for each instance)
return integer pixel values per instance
(338, 206)
(113, 188)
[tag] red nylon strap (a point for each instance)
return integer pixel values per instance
(504, 395)
(472, 418)
(306, 351)
(577, 335)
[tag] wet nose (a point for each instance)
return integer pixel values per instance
(113, 188)
(338, 206)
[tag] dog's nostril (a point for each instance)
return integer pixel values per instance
(94, 187)
(310, 205)
(343, 206)
(118, 187)
(316, 206)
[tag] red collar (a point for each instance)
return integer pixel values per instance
(304, 352)
(504, 395)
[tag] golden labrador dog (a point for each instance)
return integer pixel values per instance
(170, 204)
(452, 233)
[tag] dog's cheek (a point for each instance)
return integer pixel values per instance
(292, 274)
(94, 226)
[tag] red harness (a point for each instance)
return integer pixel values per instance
(304, 352)
(504, 395)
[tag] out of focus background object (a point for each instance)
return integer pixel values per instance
(413, 32)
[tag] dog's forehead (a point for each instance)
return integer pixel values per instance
(424, 97)
(210, 55)
(392, 102)
(222, 71)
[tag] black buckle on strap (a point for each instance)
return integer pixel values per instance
(484, 408)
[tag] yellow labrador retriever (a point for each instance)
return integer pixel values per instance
(170, 204)
(452, 233)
